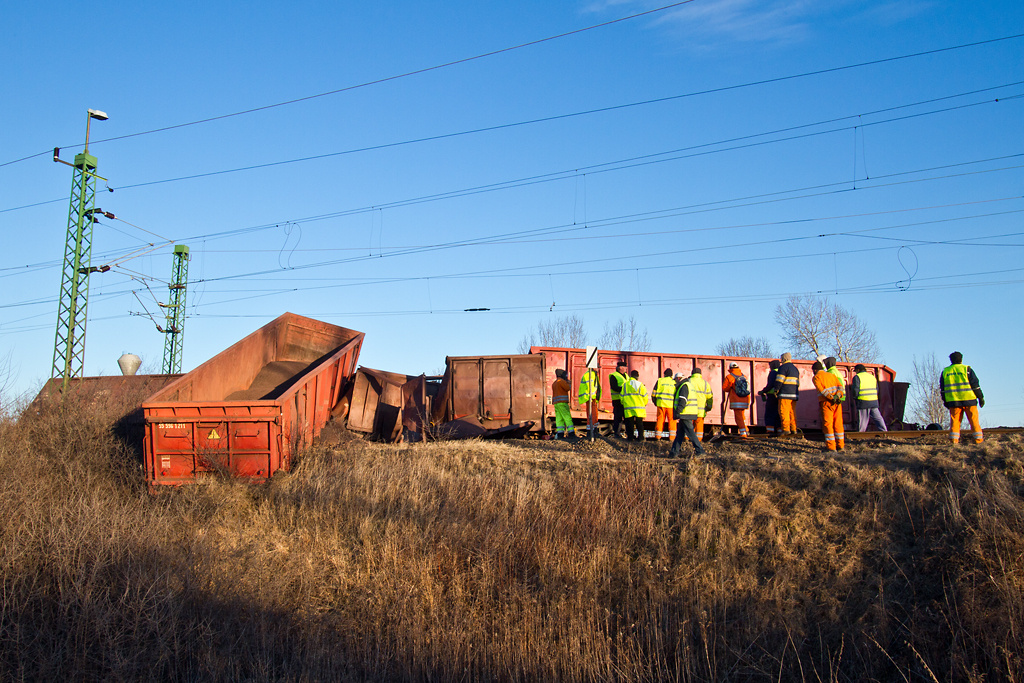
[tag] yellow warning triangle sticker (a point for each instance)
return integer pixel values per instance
(213, 434)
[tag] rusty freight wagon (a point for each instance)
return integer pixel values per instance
(248, 409)
(490, 393)
(891, 394)
(386, 404)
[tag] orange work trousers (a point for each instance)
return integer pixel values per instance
(664, 417)
(590, 408)
(956, 416)
(787, 415)
(832, 425)
(740, 414)
(698, 426)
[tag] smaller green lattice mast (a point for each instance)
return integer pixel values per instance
(175, 306)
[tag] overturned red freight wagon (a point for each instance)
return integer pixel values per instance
(650, 365)
(248, 409)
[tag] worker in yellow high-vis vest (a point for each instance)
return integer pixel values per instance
(688, 404)
(634, 405)
(590, 395)
(961, 394)
(616, 380)
(701, 390)
(865, 399)
(662, 397)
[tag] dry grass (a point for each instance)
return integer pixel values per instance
(492, 561)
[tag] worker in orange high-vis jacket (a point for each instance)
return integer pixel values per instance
(663, 398)
(787, 390)
(830, 400)
(736, 394)
(560, 389)
(962, 395)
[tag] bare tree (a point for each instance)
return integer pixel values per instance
(7, 378)
(624, 335)
(926, 404)
(567, 331)
(814, 326)
(746, 347)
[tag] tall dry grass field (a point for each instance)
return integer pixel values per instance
(512, 561)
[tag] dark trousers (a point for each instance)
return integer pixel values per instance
(635, 425)
(685, 430)
(618, 415)
(771, 416)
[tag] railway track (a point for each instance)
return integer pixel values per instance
(908, 435)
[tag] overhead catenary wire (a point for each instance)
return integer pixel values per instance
(378, 81)
(884, 288)
(513, 271)
(626, 269)
(687, 210)
(602, 167)
(598, 168)
(573, 172)
(662, 214)
(246, 230)
(719, 89)
(505, 238)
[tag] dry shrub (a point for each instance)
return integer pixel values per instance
(479, 560)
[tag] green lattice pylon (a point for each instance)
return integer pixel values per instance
(175, 307)
(69, 347)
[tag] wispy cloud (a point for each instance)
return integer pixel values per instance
(704, 23)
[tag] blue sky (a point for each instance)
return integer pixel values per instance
(690, 167)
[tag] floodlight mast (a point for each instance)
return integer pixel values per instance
(69, 346)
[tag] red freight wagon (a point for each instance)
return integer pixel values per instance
(651, 366)
(248, 409)
(498, 390)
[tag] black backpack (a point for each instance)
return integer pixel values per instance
(742, 387)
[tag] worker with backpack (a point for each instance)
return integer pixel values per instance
(736, 393)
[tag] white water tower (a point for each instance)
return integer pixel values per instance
(129, 363)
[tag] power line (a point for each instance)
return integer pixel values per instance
(271, 164)
(517, 271)
(654, 215)
(763, 224)
(736, 202)
(888, 287)
(603, 167)
(378, 81)
(573, 115)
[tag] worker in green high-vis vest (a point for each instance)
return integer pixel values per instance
(590, 395)
(962, 395)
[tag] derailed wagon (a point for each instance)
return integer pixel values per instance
(482, 395)
(250, 408)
